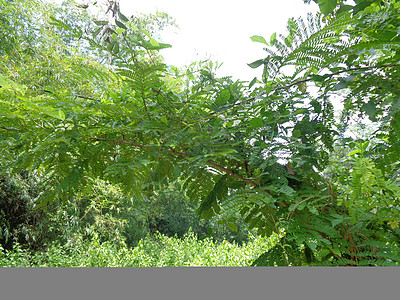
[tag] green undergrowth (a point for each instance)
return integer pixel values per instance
(154, 251)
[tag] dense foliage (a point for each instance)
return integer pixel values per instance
(100, 103)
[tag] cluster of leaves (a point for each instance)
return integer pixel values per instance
(257, 149)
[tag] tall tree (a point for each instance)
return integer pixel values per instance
(258, 148)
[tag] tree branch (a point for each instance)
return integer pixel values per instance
(183, 154)
(78, 96)
(336, 73)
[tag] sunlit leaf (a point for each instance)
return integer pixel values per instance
(259, 39)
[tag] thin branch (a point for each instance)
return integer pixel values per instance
(9, 129)
(121, 142)
(78, 96)
(336, 73)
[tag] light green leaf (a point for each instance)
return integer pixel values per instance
(313, 210)
(154, 43)
(120, 30)
(259, 39)
(61, 115)
(223, 98)
(146, 32)
(273, 39)
(164, 119)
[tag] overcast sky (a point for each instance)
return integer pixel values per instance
(221, 29)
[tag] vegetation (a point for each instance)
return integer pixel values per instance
(123, 145)
(153, 251)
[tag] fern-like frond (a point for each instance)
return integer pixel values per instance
(308, 45)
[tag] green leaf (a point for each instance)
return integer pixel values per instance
(289, 40)
(370, 109)
(177, 172)
(336, 222)
(256, 122)
(164, 119)
(337, 252)
(356, 227)
(115, 48)
(223, 98)
(327, 6)
(146, 32)
(122, 17)
(100, 22)
(259, 39)
(313, 210)
(273, 39)
(163, 46)
(232, 227)
(354, 152)
(318, 78)
(61, 115)
(253, 82)
(256, 64)
(154, 43)
(292, 26)
(120, 30)
(296, 133)
(341, 85)
(120, 25)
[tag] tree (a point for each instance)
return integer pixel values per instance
(258, 148)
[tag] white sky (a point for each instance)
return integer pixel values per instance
(221, 29)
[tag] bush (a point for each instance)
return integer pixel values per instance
(154, 251)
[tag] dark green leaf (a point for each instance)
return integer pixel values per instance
(252, 82)
(256, 63)
(122, 17)
(120, 24)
